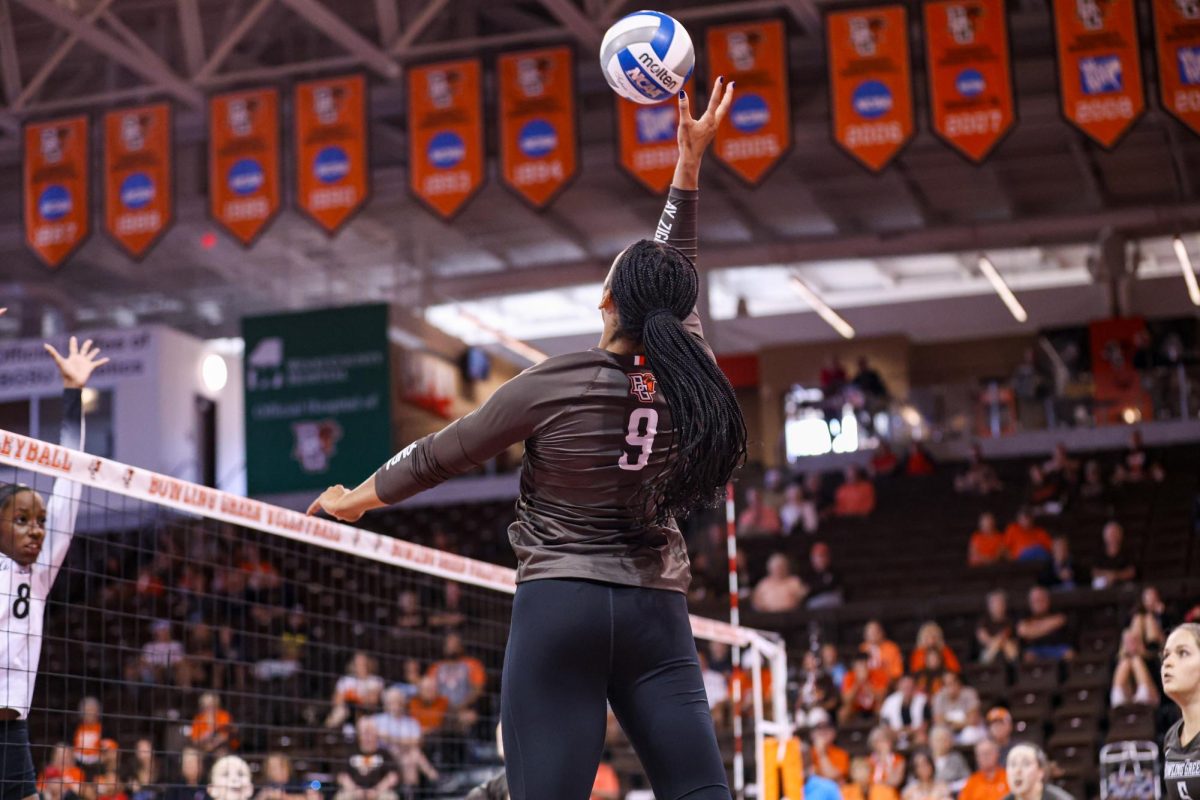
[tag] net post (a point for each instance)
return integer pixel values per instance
(739, 766)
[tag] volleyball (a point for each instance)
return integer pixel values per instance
(647, 57)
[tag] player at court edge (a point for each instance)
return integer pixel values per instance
(1181, 683)
(34, 539)
(619, 440)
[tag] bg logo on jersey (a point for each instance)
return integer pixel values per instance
(642, 385)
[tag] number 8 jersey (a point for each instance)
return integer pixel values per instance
(23, 590)
(596, 428)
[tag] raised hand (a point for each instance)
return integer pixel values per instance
(695, 135)
(79, 363)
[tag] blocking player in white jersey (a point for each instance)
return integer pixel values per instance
(34, 539)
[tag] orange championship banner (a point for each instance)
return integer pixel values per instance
(445, 134)
(758, 131)
(332, 171)
(970, 74)
(57, 190)
(870, 82)
(243, 161)
(539, 139)
(1177, 43)
(139, 196)
(646, 145)
(1099, 67)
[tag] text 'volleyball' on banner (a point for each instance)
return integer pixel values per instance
(445, 134)
(332, 170)
(1177, 43)
(1099, 67)
(243, 161)
(538, 137)
(870, 82)
(970, 74)
(758, 131)
(57, 188)
(139, 196)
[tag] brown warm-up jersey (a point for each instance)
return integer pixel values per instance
(1181, 773)
(596, 427)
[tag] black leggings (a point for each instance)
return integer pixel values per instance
(574, 644)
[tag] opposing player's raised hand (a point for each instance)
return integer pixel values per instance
(695, 135)
(79, 363)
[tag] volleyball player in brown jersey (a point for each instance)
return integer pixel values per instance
(619, 440)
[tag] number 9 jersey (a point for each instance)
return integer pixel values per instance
(596, 428)
(23, 590)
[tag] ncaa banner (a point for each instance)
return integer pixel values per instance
(758, 130)
(970, 74)
(1177, 42)
(870, 82)
(538, 138)
(56, 188)
(646, 145)
(139, 198)
(445, 134)
(243, 161)
(1099, 67)
(332, 182)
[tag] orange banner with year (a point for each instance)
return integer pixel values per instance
(445, 134)
(646, 146)
(332, 172)
(57, 188)
(870, 82)
(1177, 42)
(539, 142)
(757, 132)
(243, 161)
(970, 74)
(1099, 67)
(139, 196)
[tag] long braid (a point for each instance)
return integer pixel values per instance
(655, 287)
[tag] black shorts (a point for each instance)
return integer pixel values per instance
(17, 776)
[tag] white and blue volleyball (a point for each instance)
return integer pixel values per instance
(647, 57)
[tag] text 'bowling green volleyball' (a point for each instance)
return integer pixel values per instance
(647, 57)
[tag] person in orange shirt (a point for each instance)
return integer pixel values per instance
(887, 766)
(61, 777)
(855, 497)
(1025, 541)
(885, 655)
(212, 728)
(606, 785)
(863, 690)
(428, 707)
(987, 543)
(828, 760)
(930, 639)
(88, 735)
(989, 781)
(861, 787)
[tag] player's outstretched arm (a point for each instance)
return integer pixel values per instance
(76, 367)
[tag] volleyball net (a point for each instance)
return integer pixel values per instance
(187, 624)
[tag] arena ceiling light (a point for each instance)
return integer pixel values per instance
(1189, 273)
(1014, 305)
(821, 307)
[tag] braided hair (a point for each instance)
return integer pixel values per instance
(654, 287)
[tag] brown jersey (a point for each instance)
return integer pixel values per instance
(596, 427)
(1181, 770)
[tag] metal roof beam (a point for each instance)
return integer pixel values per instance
(10, 65)
(320, 17)
(191, 31)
